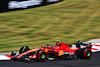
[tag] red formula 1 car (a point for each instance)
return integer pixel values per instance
(54, 52)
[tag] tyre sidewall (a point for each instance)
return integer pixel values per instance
(39, 54)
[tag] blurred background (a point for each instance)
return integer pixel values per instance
(67, 21)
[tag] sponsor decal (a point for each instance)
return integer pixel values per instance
(69, 53)
(66, 53)
(46, 50)
(32, 56)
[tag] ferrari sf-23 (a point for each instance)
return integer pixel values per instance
(59, 51)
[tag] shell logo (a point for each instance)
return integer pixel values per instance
(46, 50)
(29, 51)
(61, 53)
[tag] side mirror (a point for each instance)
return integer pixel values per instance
(41, 46)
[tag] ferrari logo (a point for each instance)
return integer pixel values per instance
(61, 53)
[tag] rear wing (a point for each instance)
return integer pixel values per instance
(83, 43)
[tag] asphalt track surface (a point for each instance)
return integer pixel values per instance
(93, 62)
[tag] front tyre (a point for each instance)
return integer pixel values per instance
(23, 49)
(41, 56)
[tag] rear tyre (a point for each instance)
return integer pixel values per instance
(86, 54)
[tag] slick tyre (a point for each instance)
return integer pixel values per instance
(41, 56)
(23, 49)
(86, 54)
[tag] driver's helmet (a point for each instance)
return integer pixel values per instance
(58, 42)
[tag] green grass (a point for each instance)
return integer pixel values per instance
(67, 21)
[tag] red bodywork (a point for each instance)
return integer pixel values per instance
(59, 49)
